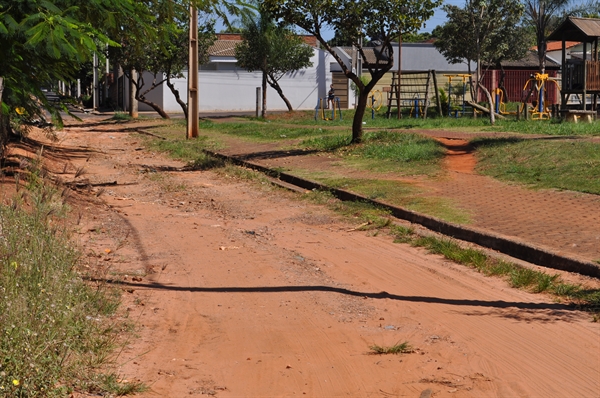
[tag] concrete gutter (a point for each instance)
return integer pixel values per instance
(515, 248)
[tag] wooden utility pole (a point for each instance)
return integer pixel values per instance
(193, 115)
(95, 96)
(399, 115)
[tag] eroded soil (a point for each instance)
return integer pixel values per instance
(240, 289)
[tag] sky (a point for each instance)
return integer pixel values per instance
(439, 17)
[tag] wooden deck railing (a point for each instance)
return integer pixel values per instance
(593, 75)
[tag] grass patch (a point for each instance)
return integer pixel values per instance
(397, 193)
(570, 165)
(264, 130)
(327, 143)
(399, 153)
(121, 116)
(465, 124)
(57, 332)
(399, 348)
(517, 276)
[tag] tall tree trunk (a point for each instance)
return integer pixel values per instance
(490, 102)
(175, 92)
(361, 106)
(273, 83)
(264, 95)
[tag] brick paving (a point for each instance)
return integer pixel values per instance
(566, 223)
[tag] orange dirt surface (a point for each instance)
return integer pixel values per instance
(240, 289)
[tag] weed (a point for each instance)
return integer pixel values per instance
(55, 329)
(327, 142)
(399, 348)
(121, 116)
(402, 234)
(205, 161)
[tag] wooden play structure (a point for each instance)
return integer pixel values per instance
(580, 76)
(413, 91)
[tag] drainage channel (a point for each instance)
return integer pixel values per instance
(511, 247)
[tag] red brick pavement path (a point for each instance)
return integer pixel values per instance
(566, 223)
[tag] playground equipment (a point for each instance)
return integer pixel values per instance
(417, 107)
(458, 104)
(322, 105)
(375, 102)
(541, 111)
(413, 90)
(500, 105)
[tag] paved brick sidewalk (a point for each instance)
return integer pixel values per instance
(566, 223)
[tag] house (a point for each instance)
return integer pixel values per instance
(226, 87)
(554, 49)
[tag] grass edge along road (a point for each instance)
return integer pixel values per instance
(58, 329)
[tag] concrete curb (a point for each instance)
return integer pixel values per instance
(510, 246)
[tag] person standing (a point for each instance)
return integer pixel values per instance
(331, 97)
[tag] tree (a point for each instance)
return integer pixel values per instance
(543, 16)
(485, 32)
(383, 20)
(165, 54)
(274, 50)
(591, 9)
(42, 42)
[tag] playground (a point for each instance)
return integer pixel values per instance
(419, 95)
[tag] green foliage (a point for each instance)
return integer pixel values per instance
(356, 21)
(42, 42)
(273, 49)
(485, 32)
(481, 31)
(157, 42)
(416, 37)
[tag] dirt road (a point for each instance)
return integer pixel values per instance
(242, 290)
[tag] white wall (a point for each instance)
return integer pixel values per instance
(231, 89)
